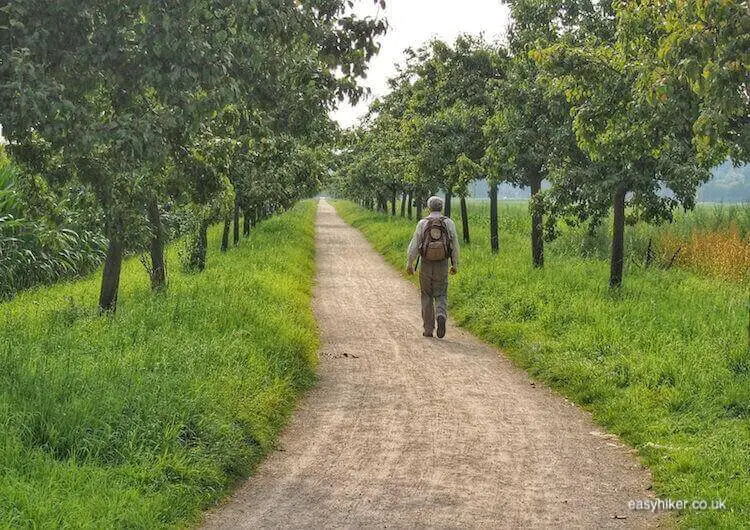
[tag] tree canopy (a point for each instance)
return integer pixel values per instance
(150, 104)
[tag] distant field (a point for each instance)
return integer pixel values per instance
(713, 239)
(141, 419)
(664, 362)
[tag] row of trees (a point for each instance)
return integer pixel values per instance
(620, 106)
(217, 107)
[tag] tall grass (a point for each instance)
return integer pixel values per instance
(712, 239)
(663, 362)
(143, 418)
(34, 252)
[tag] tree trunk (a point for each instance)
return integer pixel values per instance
(403, 204)
(409, 204)
(236, 233)
(245, 223)
(156, 247)
(447, 207)
(618, 237)
(225, 234)
(111, 276)
(537, 220)
(465, 219)
(419, 207)
(202, 244)
(494, 240)
(393, 205)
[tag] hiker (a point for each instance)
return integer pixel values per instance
(435, 244)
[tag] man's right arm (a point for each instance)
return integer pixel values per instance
(413, 251)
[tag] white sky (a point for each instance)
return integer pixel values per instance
(411, 23)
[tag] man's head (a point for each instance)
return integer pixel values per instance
(435, 203)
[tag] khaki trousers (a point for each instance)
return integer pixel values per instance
(433, 281)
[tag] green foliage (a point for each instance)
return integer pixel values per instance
(34, 253)
(146, 417)
(630, 144)
(39, 251)
(663, 362)
(433, 117)
(150, 103)
(702, 46)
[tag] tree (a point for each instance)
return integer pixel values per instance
(414, 137)
(636, 152)
(117, 96)
(450, 103)
(530, 129)
(701, 46)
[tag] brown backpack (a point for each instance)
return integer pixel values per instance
(436, 241)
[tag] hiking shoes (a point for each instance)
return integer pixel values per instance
(441, 327)
(427, 333)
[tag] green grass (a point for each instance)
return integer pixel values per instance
(664, 362)
(142, 419)
(577, 242)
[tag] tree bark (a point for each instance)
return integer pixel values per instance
(419, 207)
(111, 276)
(465, 219)
(409, 204)
(202, 245)
(447, 207)
(225, 234)
(236, 233)
(618, 237)
(245, 223)
(393, 205)
(158, 271)
(494, 239)
(403, 204)
(537, 220)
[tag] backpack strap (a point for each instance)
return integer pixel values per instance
(443, 218)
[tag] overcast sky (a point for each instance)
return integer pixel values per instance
(411, 23)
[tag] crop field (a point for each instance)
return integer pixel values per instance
(712, 240)
(663, 362)
(142, 418)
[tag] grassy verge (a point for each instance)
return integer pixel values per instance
(663, 363)
(145, 418)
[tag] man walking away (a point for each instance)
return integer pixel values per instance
(435, 241)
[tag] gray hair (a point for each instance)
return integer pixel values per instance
(435, 203)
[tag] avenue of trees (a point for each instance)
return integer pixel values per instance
(132, 112)
(620, 107)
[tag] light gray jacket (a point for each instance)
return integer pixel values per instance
(413, 251)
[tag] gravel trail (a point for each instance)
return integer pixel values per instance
(404, 431)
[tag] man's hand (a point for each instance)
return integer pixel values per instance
(410, 270)
(453, 270)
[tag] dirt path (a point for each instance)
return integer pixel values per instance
(407, 431)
